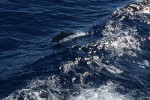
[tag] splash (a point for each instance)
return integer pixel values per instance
(38, 90)
(105, 92)
(76, 35)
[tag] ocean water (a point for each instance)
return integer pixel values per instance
(108, 57)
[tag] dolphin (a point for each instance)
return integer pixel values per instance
(61, 36)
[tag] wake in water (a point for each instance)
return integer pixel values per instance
(114, 67)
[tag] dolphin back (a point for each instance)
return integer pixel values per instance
(61, 36)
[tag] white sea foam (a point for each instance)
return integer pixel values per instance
(43, 90)
(119, 40)
(77, 34)
(37, 90)
(111, 68)
(138, 0)
(144, 64)
(105, 92)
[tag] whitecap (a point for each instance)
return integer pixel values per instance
(105, 92)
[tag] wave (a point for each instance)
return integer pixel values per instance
(36, 91)
(114, 67)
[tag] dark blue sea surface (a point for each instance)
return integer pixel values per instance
(108, 57)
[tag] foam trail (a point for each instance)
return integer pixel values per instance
(138, 0)
(78, 34)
